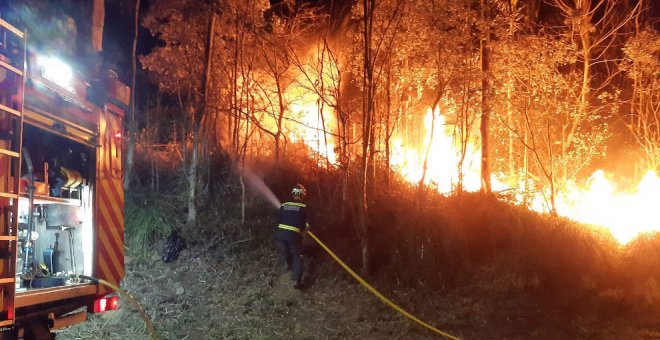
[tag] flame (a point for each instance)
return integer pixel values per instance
(444, 156)
(312, 122)
(312, 130)
(625, 214)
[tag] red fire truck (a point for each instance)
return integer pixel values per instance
(61, 196)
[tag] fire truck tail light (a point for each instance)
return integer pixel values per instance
(107, 303)
(100, 305)
(113, 303)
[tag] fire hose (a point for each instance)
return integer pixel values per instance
(132, 301)
(375, 292)
(152, 329)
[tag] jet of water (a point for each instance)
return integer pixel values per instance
(257, 184)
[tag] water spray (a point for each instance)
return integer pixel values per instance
(257, 184)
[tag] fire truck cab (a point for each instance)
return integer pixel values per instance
(61, 195)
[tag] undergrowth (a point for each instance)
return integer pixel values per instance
(149, 217)
(418, 241)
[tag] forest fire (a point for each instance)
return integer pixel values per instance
(625, 213)
(493, 167)
(443, 155)
(312, 121)
(311, 129)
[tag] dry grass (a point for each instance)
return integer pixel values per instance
(473, 265)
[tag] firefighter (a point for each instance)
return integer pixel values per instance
(292, 222)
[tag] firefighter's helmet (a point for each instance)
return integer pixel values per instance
(299, 191)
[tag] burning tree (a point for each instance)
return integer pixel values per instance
(395, 89)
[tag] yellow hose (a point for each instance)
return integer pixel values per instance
(377, 293)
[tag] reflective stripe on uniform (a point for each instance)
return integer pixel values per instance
(288, 227)
(296, 204)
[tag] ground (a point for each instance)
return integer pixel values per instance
(235, 290)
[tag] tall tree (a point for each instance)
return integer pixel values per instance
(485, 94)
(180, 68)
(375, 29)
(368, 88)
(596, 25)
(132, 127)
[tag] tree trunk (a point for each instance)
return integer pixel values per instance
(388, 134)
(192, 179)
(426, 154)
(367, 111)
(371, 176)
(280, 117)
(551, 177)
(485, 104)
(509, 117)
(130, 149)
(525, 168)
(194, 158)
(243, 199)
(585, 26)
(583, 6)
(234, 94)
(321, 106)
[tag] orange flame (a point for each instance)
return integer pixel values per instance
(312, 122)
(442, 163)
(625, 214)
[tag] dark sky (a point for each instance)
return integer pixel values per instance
(118, 35)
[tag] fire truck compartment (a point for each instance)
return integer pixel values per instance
(59, 244)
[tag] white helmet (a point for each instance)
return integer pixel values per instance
(299, 191)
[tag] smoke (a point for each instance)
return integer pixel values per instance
(258, 185)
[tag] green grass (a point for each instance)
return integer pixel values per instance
(149, 217)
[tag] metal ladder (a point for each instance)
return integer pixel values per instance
(12, 86)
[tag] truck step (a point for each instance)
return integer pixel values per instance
(8, 195)
(11, 68)
(9, 153)
(10, 110)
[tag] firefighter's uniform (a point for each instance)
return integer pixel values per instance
(292, 221)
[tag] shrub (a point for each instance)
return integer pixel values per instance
(149, 217)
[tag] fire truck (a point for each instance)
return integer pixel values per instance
(61, 195)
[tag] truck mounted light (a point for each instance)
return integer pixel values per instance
(56, 71)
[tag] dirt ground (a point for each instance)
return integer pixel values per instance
(234, 290)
